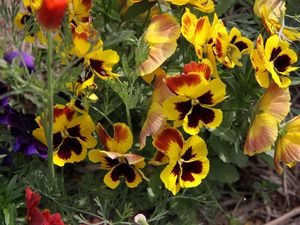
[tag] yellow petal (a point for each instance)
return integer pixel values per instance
(158, 54)
(169, 177)
(276, 102)
(261, 134)
(188, 25)
(162, 29)
(287, 151)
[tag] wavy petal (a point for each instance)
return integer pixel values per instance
(261, 134)
(275, 101)
(287, 151)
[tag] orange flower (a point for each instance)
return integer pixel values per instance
(155, 118)
(161, 37)
(288, 145)
(272, 108)
(51, 13)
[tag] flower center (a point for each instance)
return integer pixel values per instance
(195, 101)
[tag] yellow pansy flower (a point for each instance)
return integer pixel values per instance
(275, 59)
(72, 135)
(188, 164)
(115, 158)
(271, 109)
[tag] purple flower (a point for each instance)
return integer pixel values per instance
(28, 59)
(21, 126)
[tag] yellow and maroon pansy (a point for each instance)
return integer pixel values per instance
(287, 147)
(203, 68)
(272, 13)
(199, 33)
(229, 48)
(101, 62)
(275, 59)
(116, 159)
(79, 10)
(72, 135)
(96, 60)
(161, 36)
(192, 107)
(271, 109)
(25, 20)
(188, 164)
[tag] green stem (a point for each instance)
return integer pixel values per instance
(49, 106)
(128, 116)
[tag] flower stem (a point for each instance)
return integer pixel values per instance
(128, 116)
(49, 106)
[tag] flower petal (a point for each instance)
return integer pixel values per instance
(200, 116)
(177, 107)
(287, 150)
(194, 148)
(193, 172)
(186, 85)
(132, 176)
(155, 118)
(188, 25)
(162, 29)
(169, 142)
(71, 150)
(275, 101)
(158, 54)
(169, 177)
(261, 134)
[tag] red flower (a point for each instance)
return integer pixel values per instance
(51, 13)
(34, 214)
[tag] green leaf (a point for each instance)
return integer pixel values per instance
(228, 152)
(223, 6)
(138, 9)
(295, 81)
(222, 172)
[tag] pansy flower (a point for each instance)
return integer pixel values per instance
(199, 33)
(155, 119)
(23, 57)
(193, 105)
(272, 13)
(206, 6)
(229, 48)
(25, 20)
(188, 164)
(161, 36)
(275, 59)
(72, 135)
(271, 109)
(287, 148)
(79, 10)
(116, 159)
(96, 60)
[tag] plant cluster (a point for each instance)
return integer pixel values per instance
(113, 108)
